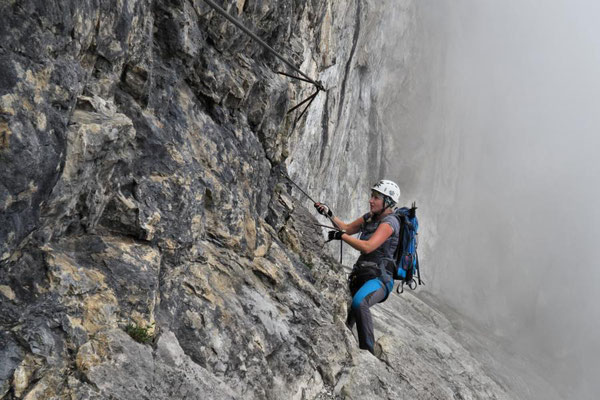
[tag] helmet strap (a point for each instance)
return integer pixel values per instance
(387, 203)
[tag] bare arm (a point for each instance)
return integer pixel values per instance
(351, 228)
(383, 232)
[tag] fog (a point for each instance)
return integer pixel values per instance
(498, 143)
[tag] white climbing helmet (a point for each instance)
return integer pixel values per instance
(388, 188)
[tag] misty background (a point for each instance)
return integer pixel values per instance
(498, 143)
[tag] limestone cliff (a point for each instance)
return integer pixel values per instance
(141, 150)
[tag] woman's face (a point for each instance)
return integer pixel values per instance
(376, 202)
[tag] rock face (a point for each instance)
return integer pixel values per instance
(345, 146)
(142, 145)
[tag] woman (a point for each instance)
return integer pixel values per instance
(377, 242)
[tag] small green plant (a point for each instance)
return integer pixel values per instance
(141, 334)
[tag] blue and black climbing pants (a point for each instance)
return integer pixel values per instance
(375, 287)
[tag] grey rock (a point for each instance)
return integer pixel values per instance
(118, 367)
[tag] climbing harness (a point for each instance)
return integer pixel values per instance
(305, 78)
(334, 227)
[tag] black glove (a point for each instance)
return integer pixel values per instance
(323, 209)
(335, 235)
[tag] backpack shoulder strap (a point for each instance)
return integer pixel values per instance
(403, 220)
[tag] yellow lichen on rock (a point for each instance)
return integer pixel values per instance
(131, 252)
(268, 269)
(92, 353)
(150, 225)
(175, 155)
(6, 104)
(86, 357)
(158, 178)
(27, 193)
(7, 292)
(5, 134)
(325, 38)
(250, 232)
(204, 284)
(23, 373)
(40, 121)
(67, 278)
(99, 312)
(290, 237)
(146, 321)
(46, 388)
(240, 6)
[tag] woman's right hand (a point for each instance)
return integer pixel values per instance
(324, 209)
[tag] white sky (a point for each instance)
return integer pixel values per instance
(511, 173)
